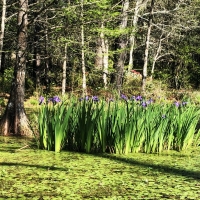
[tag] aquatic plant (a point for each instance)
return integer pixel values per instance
(122, 126)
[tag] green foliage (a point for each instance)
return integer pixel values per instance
(6, 80)
(29, 85)
(2, 102)
(53, 125)
(122, 126)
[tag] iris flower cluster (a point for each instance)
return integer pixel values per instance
(138, 99)
(179, 104)
(87, 98)
(54, 100)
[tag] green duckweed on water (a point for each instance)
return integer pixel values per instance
(29, 173)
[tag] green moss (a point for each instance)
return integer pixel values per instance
(28, 173)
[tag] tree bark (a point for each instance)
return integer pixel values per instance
(3, 18)
(146, 54)
(104, 44)
(99, 54)
(138, 6)
(122, 47)
(47, 56)
(105, 62)
(64, 70)
(84, 86)
(14, 120)
(158, 54)
(37, 55)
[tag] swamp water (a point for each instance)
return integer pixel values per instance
(29, 173)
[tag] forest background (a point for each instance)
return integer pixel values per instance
(92, 47)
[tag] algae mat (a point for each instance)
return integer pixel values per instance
(29, 173)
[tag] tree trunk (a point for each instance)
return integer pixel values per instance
(3, 18)
(84, 86)
(155, 57)
(103, 43)
(47, 57)
(37, 55)
(64, 70)
(158, 54)
(138, 6)
(122, 47)
(99, 54)
(146, 54)
(14, 120)
(105, 62)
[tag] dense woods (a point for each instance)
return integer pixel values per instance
(90, 45)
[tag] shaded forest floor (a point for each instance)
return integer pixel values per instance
(29, 173)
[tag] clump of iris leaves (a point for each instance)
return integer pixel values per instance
(121, 126)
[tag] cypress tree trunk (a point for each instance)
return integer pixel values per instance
(122, 47)
(14, 120)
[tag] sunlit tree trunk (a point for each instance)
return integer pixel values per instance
(84, 86)
(99, 54)
(64, 70)
(139, 4)
(155, 57)
(158, 54)
(105, 62)
(104, 48)
(101, 61)
(3, 18)
(14, 120)
(146, 54)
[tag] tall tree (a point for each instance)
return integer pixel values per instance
(14, 120)
(84, 85)
(122, 44)
(138, 7)
(3, 18)
(64, 76)
(146, 54)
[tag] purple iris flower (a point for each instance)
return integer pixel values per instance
(86, 98)
(95, 98)
(50, 99)
(138, 98)
(177, 104)
(41, 100)
(54, 99)
(132, 98)
(184, 103)
(144, 104)
(124, 97)
(149, 101)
